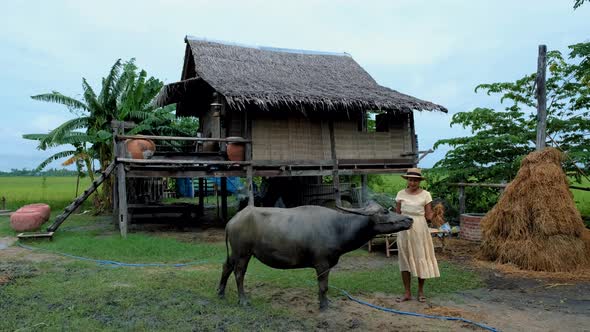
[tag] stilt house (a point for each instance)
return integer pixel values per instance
(298, 114)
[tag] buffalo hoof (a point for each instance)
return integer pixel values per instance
(244, 302)
(221, 295)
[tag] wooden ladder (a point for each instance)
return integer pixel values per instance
(80, 199)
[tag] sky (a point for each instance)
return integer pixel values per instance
(434, 50)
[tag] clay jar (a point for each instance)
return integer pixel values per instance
(235, 150)
(42, 208)
(24, 221)
(139, 148)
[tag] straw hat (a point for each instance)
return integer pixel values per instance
(413, 173)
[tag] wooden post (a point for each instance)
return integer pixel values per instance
(223, 199)
(201, 197)
(541, 98)
(122, 211)
(335, 176)
(248, 157)
(364, 177)
(461, 200)
(118, 129)
(413, 138)
(364, 192)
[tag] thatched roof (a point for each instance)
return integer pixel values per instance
(271, 77)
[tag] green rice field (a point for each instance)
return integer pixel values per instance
(57, 191)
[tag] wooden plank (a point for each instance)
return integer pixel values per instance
(35, 235)
(492, 185)
(541, 94)
(171, 173)
(180, 138)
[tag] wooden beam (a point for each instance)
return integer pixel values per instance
(541, 94)
(181, 138)
(335, 174)
(492, 185)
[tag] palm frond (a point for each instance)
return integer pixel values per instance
(94, 106)
(109, 82)
(58, 98)
(57, 156)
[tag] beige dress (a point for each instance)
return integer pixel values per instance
(415, 249)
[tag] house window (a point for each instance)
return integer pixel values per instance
(381, 123)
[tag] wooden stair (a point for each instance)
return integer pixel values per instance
(80, 199)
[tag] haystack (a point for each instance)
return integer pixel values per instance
(535, 224)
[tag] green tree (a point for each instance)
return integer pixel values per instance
(501, 138)
(126, 94)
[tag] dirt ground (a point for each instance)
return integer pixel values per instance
(511, 300)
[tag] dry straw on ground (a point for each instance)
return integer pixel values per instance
(535, 225)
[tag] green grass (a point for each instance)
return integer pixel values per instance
(68, 294)
(57, 191)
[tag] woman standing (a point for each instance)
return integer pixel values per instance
(415, 249)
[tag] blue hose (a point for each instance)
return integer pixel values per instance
(399, 312)
(408, 313)
(115, 263)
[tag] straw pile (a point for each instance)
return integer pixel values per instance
(438, 215)
(535, 224)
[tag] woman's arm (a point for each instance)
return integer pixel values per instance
(428, 211)
(398, 207)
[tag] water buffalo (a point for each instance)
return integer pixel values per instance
(305, 236)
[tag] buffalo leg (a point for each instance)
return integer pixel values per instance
(228, 268)
(239, 272)
(322, 272)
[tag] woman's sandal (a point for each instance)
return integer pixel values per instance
(402, 299)
(422, 298)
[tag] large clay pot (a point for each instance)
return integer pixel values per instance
(42, 208)
(139, 148)
(235, 150)
(24, 221)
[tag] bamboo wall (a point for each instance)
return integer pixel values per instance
(296, 138)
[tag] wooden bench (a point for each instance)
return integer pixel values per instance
(391, 240)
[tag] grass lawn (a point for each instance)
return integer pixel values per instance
(64, 293)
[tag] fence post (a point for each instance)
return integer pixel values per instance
(461, 199)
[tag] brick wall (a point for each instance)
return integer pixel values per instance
(470, 227)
